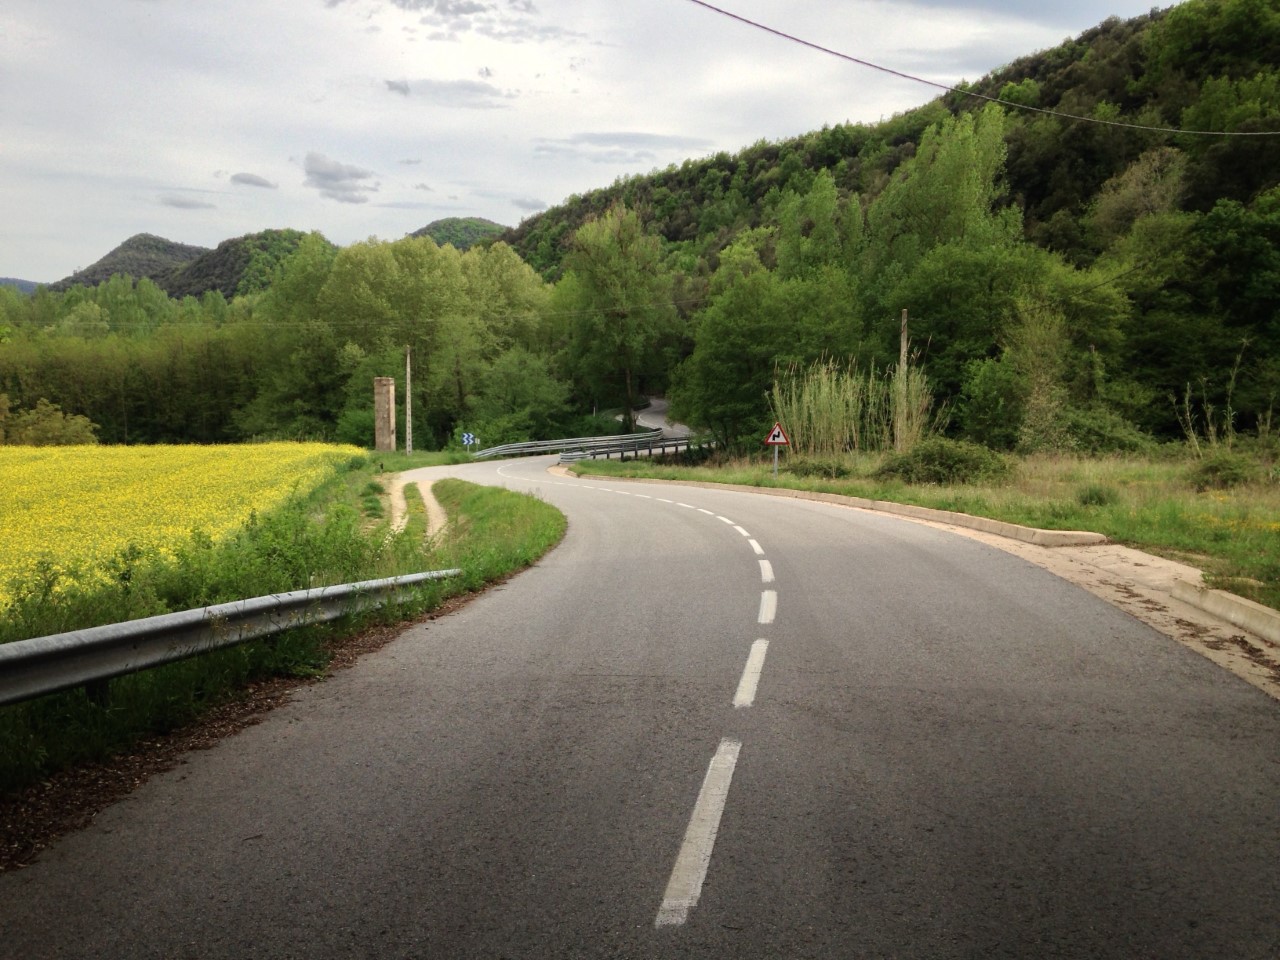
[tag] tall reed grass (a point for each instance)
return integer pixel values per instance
(829, 408)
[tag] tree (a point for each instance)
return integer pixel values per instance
(620, 298)
(43, 426)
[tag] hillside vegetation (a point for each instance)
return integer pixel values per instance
(1203, 65)
(241, 266)
(1080, 285)
(461, 232)
(142, 255)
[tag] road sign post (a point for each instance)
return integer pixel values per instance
(777, 438)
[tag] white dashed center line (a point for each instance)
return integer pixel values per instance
(746, 694)
(766, 571)
(768, 606)
(756, 547)
(685, 885)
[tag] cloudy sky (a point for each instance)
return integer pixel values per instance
(201, 120)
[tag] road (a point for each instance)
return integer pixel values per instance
(711, 725)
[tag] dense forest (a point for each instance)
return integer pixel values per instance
(1089, 283)
(461, 232)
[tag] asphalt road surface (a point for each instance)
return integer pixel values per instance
(712, 725)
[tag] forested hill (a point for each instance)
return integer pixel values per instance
(1204, 65)
(142, 255)
(25, 286)
(235, 267)
(461, 232)
(1071, 284)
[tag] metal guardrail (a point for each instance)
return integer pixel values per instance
(635, 448)
(555, 446)
(42, 665)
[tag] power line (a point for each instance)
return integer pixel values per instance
(969, 93)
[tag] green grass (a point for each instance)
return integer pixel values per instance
(323, 539)
(1150, 503)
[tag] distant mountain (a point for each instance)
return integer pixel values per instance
(462, 232)
(24, 286)
(235, 267)
(143, 255)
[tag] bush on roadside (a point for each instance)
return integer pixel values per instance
(1096, 495)
(1222, 471)
(1097, 430)
(830, 468)
(940, 460)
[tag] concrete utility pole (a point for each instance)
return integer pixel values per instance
(384, 413)
(408, 404)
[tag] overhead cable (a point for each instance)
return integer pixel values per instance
(970, 93)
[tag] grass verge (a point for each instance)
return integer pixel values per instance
(323, 538)
(1149, 503)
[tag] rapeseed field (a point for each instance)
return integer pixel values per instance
(72, 509)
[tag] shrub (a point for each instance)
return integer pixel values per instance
(1096, 495)
(942, 460)
(44, 426)
(830, 467)
(992, 404)
(1097, 429)
(1222, 471)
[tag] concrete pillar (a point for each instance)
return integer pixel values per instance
(384, 413)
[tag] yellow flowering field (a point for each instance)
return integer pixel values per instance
(76, 507)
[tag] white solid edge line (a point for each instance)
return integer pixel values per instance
(756, 547)
(746, 694)
(685, 886)
(768, 606)
(766, 571)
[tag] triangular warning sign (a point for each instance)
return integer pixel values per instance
(777, 437)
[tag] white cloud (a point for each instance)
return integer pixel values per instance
(338, 181)
(589, 90)
(252, 180)
(179, 202)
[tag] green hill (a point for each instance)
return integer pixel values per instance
(1204, 65)
(143, 255)
(461, 232)
(235, 267)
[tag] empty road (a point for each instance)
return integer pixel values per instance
(712, 725)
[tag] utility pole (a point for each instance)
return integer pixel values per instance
(900, 415)
(408, 404)
(902, 343)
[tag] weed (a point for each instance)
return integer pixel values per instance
(945, 461)
(1222, 470)
(1097, 495)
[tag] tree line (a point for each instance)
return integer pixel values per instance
(1067, 285)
